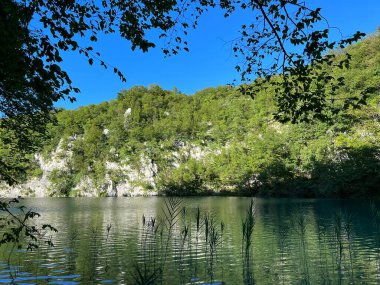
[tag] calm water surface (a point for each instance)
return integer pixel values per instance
(105, 241)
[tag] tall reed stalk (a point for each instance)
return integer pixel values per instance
(184, 236)
(147, 272)
(248, 225)
(170, 216)
(213, 241)
(198, 226)
(152, 270)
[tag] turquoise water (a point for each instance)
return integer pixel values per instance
(294, 241)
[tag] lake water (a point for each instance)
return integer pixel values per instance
(107, 241)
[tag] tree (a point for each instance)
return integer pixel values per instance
(33, 34)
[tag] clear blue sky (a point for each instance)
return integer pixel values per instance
(208, 64)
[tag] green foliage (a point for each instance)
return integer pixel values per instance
(62, 183)
(220, 140)
(32, 78)
(185, 180)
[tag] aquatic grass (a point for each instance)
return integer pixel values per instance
(143, 276)
(247, 234)
(157, 237)
(213, 241)
(200, 245)
(206, 223)
(247, 229)
(198, 225)
(183, 239)
(175, 229)
(170, 217)
(148, 271)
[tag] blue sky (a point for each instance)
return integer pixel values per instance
(209, 63)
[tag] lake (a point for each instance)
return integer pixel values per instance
(200, 241)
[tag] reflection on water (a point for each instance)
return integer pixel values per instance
(134, 241)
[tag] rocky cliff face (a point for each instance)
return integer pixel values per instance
(121, 178)
(40, 186)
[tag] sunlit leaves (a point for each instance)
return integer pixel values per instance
(288, 39)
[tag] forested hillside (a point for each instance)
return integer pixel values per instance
(150, 141)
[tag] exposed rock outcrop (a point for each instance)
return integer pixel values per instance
(121, 178)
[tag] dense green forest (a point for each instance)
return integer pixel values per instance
(216, 141)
